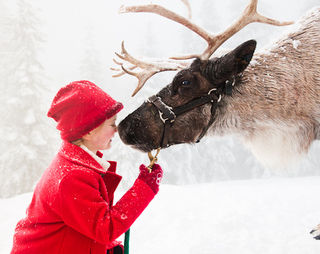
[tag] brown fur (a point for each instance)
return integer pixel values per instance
(274, 107)
(279, 95)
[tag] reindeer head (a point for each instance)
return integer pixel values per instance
(183, 111)
(189, 97)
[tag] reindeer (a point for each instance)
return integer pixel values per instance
(270, 100)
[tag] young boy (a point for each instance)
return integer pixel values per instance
(72, 207)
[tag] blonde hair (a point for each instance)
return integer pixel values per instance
(77, 142)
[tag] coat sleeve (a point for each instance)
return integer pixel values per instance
(82, 207)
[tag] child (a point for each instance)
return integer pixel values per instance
(72, 207)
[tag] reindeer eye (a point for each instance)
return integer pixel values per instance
(186, 82)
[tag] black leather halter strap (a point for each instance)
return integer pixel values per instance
(168, 114)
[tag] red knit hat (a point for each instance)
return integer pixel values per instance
(80, 107)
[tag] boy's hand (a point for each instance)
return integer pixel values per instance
(153, 179)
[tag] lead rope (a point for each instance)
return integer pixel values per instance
(153, 160)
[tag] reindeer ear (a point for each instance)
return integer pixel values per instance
(242, 55)
(236, 61)
(218, 70)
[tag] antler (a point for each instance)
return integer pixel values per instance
(148, 69)
(249, 15)
(187, 4)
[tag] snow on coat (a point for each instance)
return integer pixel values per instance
(71, 210)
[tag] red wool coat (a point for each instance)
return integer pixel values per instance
(71, 210)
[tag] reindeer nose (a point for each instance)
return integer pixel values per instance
(123, 130)
(126, 130)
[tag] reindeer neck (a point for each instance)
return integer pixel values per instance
(275, 107)
(281, 85)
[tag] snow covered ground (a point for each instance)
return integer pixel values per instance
(270, 216)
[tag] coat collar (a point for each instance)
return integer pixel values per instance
(79, 156)
(98, 157)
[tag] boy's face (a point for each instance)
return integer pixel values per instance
(101, 137)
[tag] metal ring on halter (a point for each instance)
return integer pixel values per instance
(213, 89)
(165, 119)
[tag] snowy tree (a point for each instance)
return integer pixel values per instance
(26, 147)
(4, 35)
(91, 67)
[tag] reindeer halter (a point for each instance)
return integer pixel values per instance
(168, 114)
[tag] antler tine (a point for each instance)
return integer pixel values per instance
(187, 4)
(120, 71)
(249, 15)
(148, 69)
(142, 77)
(116, 62)
(158, 9)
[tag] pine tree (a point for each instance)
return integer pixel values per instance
(91, 66)
(5, 33)
(26, 148)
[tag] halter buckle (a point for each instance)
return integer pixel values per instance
(165, 119)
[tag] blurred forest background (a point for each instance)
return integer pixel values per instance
(46, 44)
